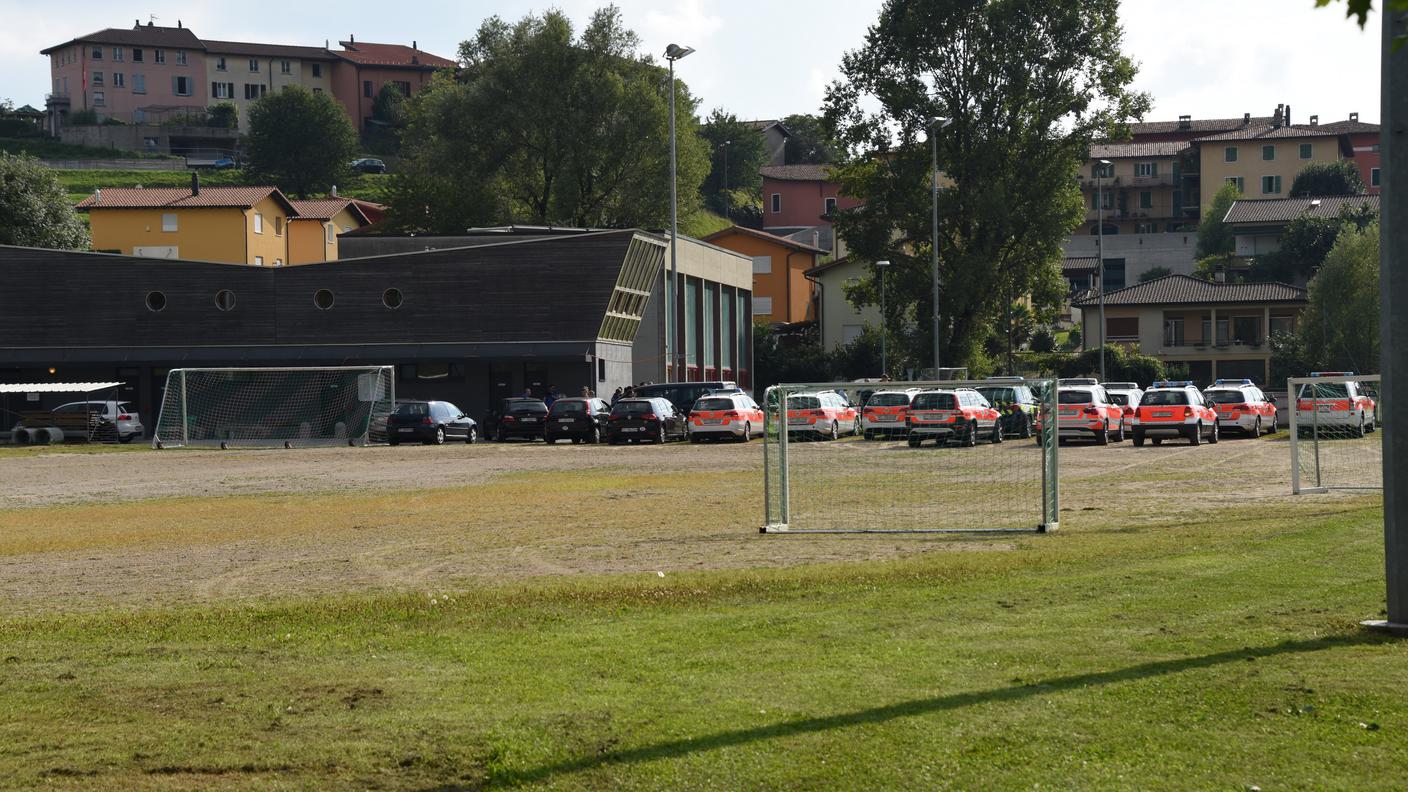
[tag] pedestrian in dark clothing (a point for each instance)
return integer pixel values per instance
(615, 397)
(552, 396)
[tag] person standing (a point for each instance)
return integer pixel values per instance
(552, 396)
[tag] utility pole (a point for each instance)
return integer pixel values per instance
(934, 127)
(672, 53)
(1100, 255)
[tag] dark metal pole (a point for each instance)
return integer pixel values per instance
(934, 195)
(1100, 260)
(1393, 274)
(674, 232)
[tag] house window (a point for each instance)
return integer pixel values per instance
(1173, 332)
(278, 226)
(830, 206)
(1146, 199)
(1270, 185)
(258, 261)
(762, 265)
(159, 56)
(1246, 330)
(762, 306)
(776, 203)
(1112, 276)
(1268, 153)
(136, 55)
(98, 98)
(97, 53)
(1146, 228)
(1239, 181)
(219, 64)
(317, 70)
(1229, 154)
(168, 222)
(181, 57)
(139, 83)
(117, 54)
(1224, 330)
(181, 86)
(330, 232)
(258, 223)
(403, 86)
(392, 298)
(367, 88)
(222, 90)
(1146, 169)
(1373, 177)
(1108, 200)
(1121, 328)
(117, 80)
(1098, 171)
(254, 90)
(1305, 151)
(97, 78)
(1283, 324)
(254, 64)
(285, 67)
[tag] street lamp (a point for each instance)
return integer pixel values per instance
(1100, 254)
(672, 53)
(933, 128)
(884, 327)
(725, 146)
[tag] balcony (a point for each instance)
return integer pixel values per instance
(1184, 347)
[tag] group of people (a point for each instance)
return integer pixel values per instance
(554, 394)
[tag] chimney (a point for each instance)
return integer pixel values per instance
(1315, 120)
(334, 191)
(1220, 276)
(195, 184)
(1276, 117)
(97, 194)
(1185, 122)
(351, 38)
(1288, 115)
(136, 24)
(1353, 116)
(1246, 119)
(413, 45)
(178, 24)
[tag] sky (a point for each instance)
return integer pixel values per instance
(765, 59)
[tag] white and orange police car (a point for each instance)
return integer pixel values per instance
(960, 414)
(1240, 405)
(1338, 405)
(823, 414)
(885, 412)
(1174, 409)
(1085, 411)
(725, 414)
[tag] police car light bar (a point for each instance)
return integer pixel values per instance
(1332, 373)
(1234, 382)
(1173, 384)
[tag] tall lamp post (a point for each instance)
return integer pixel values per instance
(933, 128)
(672, 53)
(884, 327)
(725, 146)
(1100, 254)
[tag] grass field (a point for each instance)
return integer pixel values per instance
(523, 619)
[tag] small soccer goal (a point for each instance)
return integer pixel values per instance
(1337, 432)
(273, 407)
(941, 456)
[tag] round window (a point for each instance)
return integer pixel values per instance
(391, 298)
(225, 300)
(156, 301)
(323, 299)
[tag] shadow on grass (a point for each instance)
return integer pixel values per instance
(678, 748)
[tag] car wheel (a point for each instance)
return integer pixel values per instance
(439, 435)
(914, 442)
(660, 438)
(1119, 433)
(1156, 440)
(869, 435)
(747, 432)
(1256, 432)
(1026, 432)
(1216, 433)
(614, 441)
(970, 435)
(1359, 430)
(996, 432)
(1196, 436)
(695, 438)
(472, 435)
(855, 430)
(1103, 436)
(393, 442)
(835, 431)
(1138, 439)
(125, 438)
(595, 436)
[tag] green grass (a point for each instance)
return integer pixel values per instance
(702, 223)
(50, 149)
(79, 184)
(1217, 654)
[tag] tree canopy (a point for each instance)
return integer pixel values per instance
(810, 141)
(1327, 179)
(34, 209)
(543, 127)
(1028, 84)
(1304, 243)
(1214, 236)
(737, 146)
(1341, 325)
(299, 140)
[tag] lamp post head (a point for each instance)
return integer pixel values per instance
(674, 52)
(882, 263)
(936, 124)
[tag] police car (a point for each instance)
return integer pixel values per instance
(1340, 405)
(1174, 409)
(823, 415)
(1240, 405)
(725, 413)
(957, 413)
(1125, 394)
(885, 412)
(1086, 412)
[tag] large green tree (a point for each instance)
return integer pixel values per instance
(1341, 325)
(300, 141)
(541, 126)
(1327, 179)
(737, 151)
(1029, 84)
(1214, 236)
(34, 210)
(809, 141)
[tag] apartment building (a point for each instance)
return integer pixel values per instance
(1364, 141)
(799, 198)
(1263, 160)
(142, 74)
(1141, 187)
(364, 68)
(240, 73)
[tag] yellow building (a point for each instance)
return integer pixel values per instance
(1264, 159)
(312, 234)
(236, 225)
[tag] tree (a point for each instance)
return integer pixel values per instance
(792, 357)
(810, 141)
(383, 130)
(1029, 84)
(34, 209)
(1154, 273)
(1341, 325)
(734, 145)
(543, 127)
(1214, 236)
(1327, 179)
(299, 140)
(1121, 363)
(1304, 243)
(223, 115)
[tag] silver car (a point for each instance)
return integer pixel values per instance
(118, 414)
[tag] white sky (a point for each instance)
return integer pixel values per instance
(769, 58)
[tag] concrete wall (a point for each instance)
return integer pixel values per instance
(149, 137)
(838, 317)
(1141, 252)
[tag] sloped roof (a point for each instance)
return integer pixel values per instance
(1126, 150)
(327, 208)
(181, 197)
(138, 35)
(1187, 290)
(765, 236)
(267, 50)
(1269, 132)
(764, 125)
(1284, 210)
(1208, 125)
(795, 172)
(1079, 265)
(1344, 127)
(368, 53)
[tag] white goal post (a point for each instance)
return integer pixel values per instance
(1001, 477)
(1337, 432)
(273, 407)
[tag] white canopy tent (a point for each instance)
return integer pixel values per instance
(30, 427)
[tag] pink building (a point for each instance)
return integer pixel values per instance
(142, 74)
(364, 67)
(1364, 140)
(801, 197)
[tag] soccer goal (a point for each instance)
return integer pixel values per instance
(1336, 432)
(273, 407)
(937, 461)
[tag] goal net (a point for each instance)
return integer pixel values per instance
(911, 457)
(229, 407)
(1336, 432)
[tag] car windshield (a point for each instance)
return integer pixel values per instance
(1225, 396)
(414, 408)
(1075, 397)
(526, 405)
(632, 408)
(714, 404)
(1324, 390)
(569, 407)
(888, 400)
(934, 401)
(995, 395)
(1163, 398)
(1122, 399)
(803, 403)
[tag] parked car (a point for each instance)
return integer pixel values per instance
(637, 420)
(577, 419)
(1087, 412)
(429, 422)
(885, 412)
(960, 414)
(824, 415)
(368, 165)
(1174, 409)
(1125, 394)
(684, 394)
(108, 420)
(1339, 406)
(518, 417)
(1240, 405)
(1017, 404)
(725, 414)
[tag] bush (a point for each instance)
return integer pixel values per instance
(84, 117)
(1121, 363)
(223, 116)
(1073, 340)
(1043, 340)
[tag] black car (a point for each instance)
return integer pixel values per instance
(577, 419)
(429, 422)
(1017, 404)
(639, 420)
(683, 395)
(519, 417)
(369, 165)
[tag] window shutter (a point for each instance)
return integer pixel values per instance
(1153, 169)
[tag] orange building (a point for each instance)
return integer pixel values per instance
(781, 291)
(313, 232)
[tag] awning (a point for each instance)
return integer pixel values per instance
(56, 387)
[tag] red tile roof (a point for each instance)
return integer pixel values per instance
(181, 197)
(765, 236)
(1344, 127)
(326, 208)
(796, 172)
(1124, 150)
(1209, 125)
(267, 50)
(1187, 290)
(372, 54)
(1284, 210)
(139, 36)
(1269, 132)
